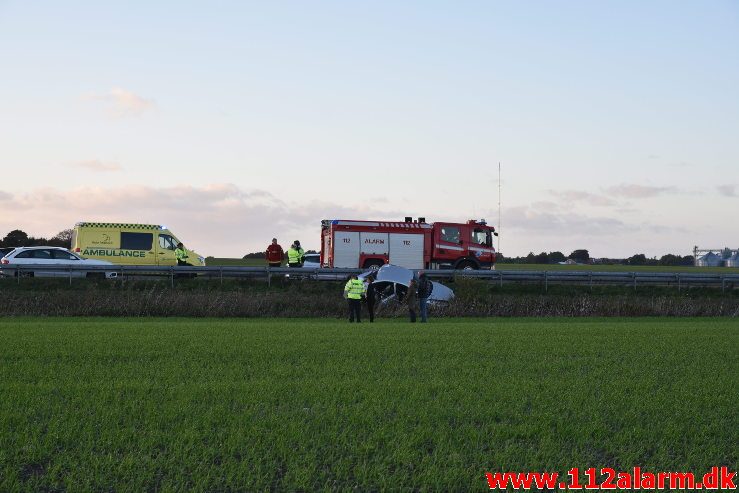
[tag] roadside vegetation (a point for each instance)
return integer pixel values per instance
(303, 298)
(304, 405)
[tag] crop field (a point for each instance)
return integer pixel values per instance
(169, 404)
(251, 262)
(618, 268)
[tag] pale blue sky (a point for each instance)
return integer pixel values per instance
(616, 122)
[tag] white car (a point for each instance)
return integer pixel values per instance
(312, 261)
(28, 257)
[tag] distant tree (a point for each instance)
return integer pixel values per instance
(15, 238)
(542, 258)
(530, 258)
(638, 259)
(671, 259)
(688, 260)
(254, 255)
(556, 257)
(63, 238)
(580, 256)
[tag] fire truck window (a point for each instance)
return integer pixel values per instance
(481, 237)
(450, 234)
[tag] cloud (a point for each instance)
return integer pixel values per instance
(633, 191)
(219, 219)
(728, 190)
(569, 196)
(97, 165)
(122, 102)
(529, 219)
(4, 196)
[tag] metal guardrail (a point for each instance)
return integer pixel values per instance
(545, 278)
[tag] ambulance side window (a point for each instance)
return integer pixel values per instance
(136, 241)
(166, 242)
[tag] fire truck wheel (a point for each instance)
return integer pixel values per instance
(373, 264)
(466, 265)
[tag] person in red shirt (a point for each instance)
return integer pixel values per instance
(274, 254)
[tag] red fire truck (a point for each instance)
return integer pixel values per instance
(414, 244)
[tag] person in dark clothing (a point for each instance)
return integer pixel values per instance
(424, 291)
(370, 296)
(412, 299)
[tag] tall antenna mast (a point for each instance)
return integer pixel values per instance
(498, 206)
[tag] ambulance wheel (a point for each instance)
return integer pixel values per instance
(373, 264)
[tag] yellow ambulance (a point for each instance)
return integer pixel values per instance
(128, 244)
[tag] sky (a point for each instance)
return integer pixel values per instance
(615, 123)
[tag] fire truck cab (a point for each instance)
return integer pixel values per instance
(414, 244)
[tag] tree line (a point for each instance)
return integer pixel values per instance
(19, 238)
(583, 257)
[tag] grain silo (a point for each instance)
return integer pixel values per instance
(709, 260)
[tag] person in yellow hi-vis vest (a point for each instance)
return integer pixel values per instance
(295, 255)
(181, 254)
(354, 292)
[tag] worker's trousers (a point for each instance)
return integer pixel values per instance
(355, 310)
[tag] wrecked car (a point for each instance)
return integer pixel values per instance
(391, 285)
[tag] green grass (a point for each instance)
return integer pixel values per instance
(250, 404)
(617, 268)
(536, 267)
(241, 262)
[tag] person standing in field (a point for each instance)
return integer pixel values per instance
(425, 287)
(295, 255)
(274, 254)
(369, 290)
(354, 292)
(180, 254)
(412, 299)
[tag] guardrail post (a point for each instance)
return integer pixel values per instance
(500, 277)
(18, 274)
(590, 280)
(220, 269)
(546, 281)
(678, 282)
(70, 275)
(723, 284)
(269, 277)
(634, 276)
(171, 276)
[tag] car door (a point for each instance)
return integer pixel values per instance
(165, 250)
(28, 258)
(66, 259)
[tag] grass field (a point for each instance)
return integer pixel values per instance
(251, 262)
(255, 404)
